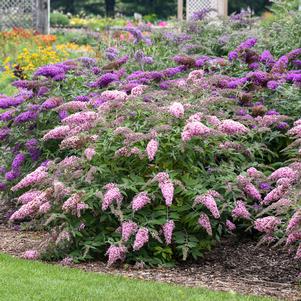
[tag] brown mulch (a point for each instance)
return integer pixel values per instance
(234, 265)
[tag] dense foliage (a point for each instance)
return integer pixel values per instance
(154, 152)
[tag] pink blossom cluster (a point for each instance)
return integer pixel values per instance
(231, 127)
(275, 194)
(209, 202)
(194, 129)
(168, 229)
(268, 120)
(249, 189)
(254, 173)
(213, 120)
(112, 194)
(141, 238)
(195, 75)
(80, 118)
(293, 237)
(34, 178)
(140, 200)
(59, 132)
(177, 110)
(89, 153)
(267, 224)
(196, 117)
(205, 223)
(114, 95)
(166, 187)
(74, 205)
(230, 226)
(128, 228)
(115, 253)
(138, 90)
(283, 172)
(60, 190)
(127, 152)
(294, 222)
(252, 191)
(28, 196)
(31, 255)
(30, 208)
(240, 210)
(71, 162)
(152, 148)
(45, 208)
(295, 131)
(73, 106)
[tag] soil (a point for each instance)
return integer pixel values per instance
(234, 265)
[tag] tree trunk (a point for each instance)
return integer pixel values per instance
(110, 8)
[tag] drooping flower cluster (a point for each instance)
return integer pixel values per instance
(168, 229)
(267, 224)
(166, 187)
(177, 109)
(205, 223)
(140, 200)
(112, 194)
(115, 253)
(240, 211)
(141, 238)
(36, 177)
(128, 228)
(151, 149)
(74, 205)
(209, 202)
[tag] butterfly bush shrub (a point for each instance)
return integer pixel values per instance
(153, 161)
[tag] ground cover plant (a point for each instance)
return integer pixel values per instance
(38, 281)
(154, 152)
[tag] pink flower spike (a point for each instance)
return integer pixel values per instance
(90, 153)
(115, 253)
(205, 223)
(240, 210)
(151, 149)
(168, 228)
(141, 239)
(140, 200)
(177, 110)
(31, 255)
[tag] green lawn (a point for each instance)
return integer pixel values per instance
(24, 280)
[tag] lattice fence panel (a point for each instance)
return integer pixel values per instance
(18, 13)
(197, 5)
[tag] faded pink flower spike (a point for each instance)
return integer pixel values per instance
(230, 226)
(151, 149)
(267, 224)
(209, 202)
(240, 210)
(141, 239)
(115, 253)
(127, 229)
(31, 255)
(140, 200)
(113, 194)
(177, 110)
(90, 153)
(168, 228)
(205, 223)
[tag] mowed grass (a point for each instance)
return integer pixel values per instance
(25, 280)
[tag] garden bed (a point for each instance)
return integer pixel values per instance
(234, 265)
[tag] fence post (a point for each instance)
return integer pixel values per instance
(180, 10)
(43, 16)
